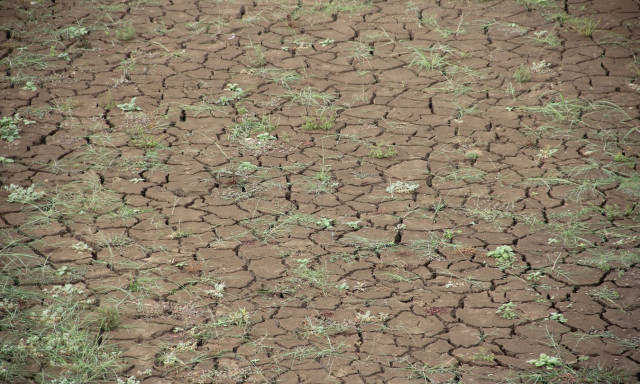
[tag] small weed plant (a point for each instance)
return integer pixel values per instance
(23, 195)
(507, 311)
(585, 26)
(545, 361)
(504, 256)
(522, 74)
(322, 121)
(382, 151)
(73, 32)
(9, 130)
(126, 32)
(559, 317)
(130, 106)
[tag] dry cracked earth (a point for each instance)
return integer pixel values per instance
(202, 191)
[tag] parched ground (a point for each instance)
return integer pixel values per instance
(200, 191)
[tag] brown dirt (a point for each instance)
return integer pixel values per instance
(341, 280)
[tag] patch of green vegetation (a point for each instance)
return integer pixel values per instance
(321, 120)
(314, 277)
(130, 106)
(148, 161)
(248, 125)
(108, 318)
(426, 373)
(284, 77)
(49, 335)
(564, 373)
(522, 74)
(237, 94)
(630, 185)
(559, 109)
(9, 130)
(545, 37)
(25, 60)
(507, 311)
(604, 294)
(585, 26)
(23, 195)
(256, 56)
(533, 4)
(270, 229)
(545, 361)
(382, 151)
(73, 32)
(605, 259)
(125, 32)
(68, 203)
(322, 181)
(312, 100)
(429, 59)
(432, 22)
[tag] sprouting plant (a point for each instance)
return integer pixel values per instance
(248, 124)
(23, 195)
(256, 57)
(321, 120)
(30, 86)
(522, 74)
(507, 311)
(559, 317)
(81, 247)
(504, 256)
(546, 153)
(217, 291)
(535, 276)
(326, 42)
(585, 26)
(402, 187)
(472, 155)
(604, 294)
(382, 151)
(126, 32)
(353, 224)
(545, 38)
(237, 94)
(130, 380)
(325, 222)
(130, 106)
(9, 130)
(531, 4)
(548, 362)
(6, 160)
(429, 60)
(73, 32)
(245, 167)
(108, 318)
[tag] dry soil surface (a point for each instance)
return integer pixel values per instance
(323, 191)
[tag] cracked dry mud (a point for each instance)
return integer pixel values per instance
(312, 191)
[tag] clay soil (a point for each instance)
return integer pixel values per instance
(315, 191)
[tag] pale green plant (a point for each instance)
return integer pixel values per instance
(504, 256)
(130, 106)
(125, 32)
(507, 311)
(548, 362)
(522, 74)
(382, 151)
(585, 26)
(23, 195)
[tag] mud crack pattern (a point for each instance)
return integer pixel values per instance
(320, 191)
